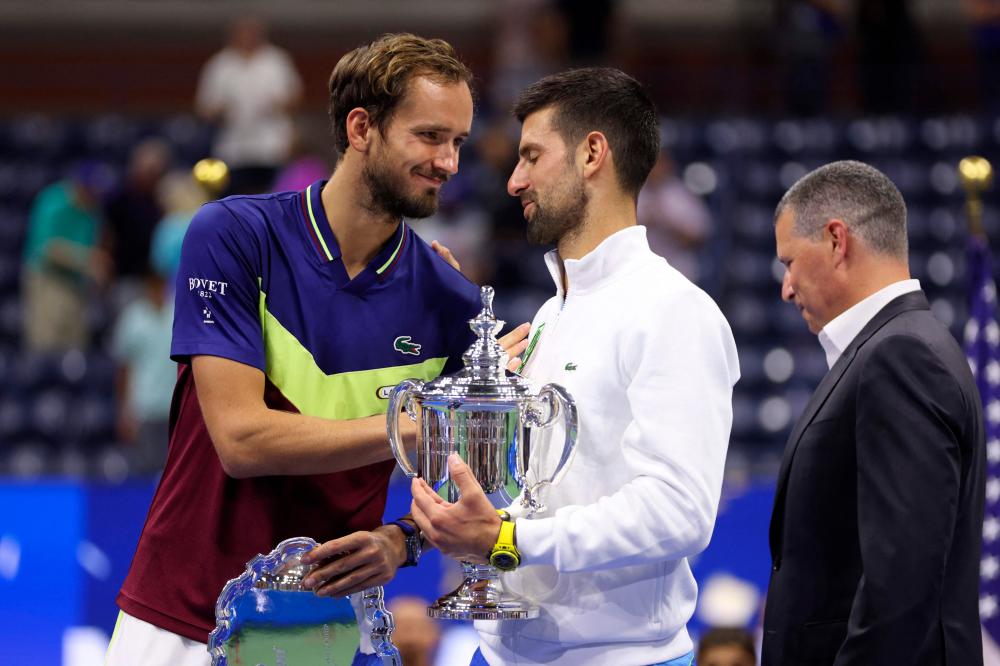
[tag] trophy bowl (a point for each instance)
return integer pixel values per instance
(486, 416)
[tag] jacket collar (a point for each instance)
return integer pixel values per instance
(612, 256)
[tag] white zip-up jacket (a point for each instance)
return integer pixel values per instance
(651, 362)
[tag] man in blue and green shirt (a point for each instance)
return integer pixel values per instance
(295, 314)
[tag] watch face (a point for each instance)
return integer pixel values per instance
(413, 550)
(504, 561)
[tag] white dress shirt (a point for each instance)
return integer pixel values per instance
(843, 328)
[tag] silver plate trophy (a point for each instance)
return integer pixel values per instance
(266, 618)
(486, 416)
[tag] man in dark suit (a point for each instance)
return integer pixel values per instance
(875, 535)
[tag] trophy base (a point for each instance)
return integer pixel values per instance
(480, 597)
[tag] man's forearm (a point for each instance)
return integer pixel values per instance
(271, 442)
(251, 439)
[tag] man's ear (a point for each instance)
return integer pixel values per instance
(593, 152)
(359, 129)
(839, 238)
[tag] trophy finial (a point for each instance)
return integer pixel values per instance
(486, 294)
(486, 356)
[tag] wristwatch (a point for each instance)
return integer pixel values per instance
(505, 555)
(413, 544)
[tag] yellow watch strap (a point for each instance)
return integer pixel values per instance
(506, 536)
(505, 555)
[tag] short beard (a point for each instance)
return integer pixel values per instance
(562, 216)
(386, 192)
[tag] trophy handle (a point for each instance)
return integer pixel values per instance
(559, 401)
(399, 399)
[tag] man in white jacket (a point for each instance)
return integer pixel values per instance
(651, 362)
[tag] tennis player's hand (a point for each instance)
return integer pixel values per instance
(446, 254)
(355, 562)
(465, 530)
(514, 342)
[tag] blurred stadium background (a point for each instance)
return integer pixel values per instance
(754, 93)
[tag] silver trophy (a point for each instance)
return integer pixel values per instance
(265, 617)
(486, 416)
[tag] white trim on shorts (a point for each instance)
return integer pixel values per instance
(136, 641)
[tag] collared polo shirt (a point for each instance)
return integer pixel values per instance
(261, 282)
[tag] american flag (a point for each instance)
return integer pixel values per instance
(982, 346)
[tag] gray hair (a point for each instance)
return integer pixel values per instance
(860, 195)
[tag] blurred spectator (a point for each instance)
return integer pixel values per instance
(890, 55)
(726, 647)
(250, 89)
(132, 212)
(181, 197)
(146, 375)
(677, 221)
(62, 260)
(416, 635)
(985, 18)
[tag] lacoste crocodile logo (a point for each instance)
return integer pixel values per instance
(570, 366)
(403, 345)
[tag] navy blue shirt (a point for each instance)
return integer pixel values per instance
(261, 282)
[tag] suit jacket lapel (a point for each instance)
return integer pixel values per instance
(819, 396)
(910, 301)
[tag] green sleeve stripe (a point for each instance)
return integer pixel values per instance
(312, 218)
(530, 349)
(394, 252)
(346, 395)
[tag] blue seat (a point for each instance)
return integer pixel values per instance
(28, 459)
(746, 315)
(805, 137)
(42, 138)
(95, 417)
(751, 365)
(884, 135)
(190, 138)
(10, 322)
(111, 136)
(33, 372)
(50, 416)
(10, 271)
(744, 413)
(955, 133)
(729, 136)
(759, 180)
(750, 268)
(14, 416)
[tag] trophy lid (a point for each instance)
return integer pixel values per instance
(485, 372)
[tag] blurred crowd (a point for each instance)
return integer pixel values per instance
(98, 247)
(106, 238)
